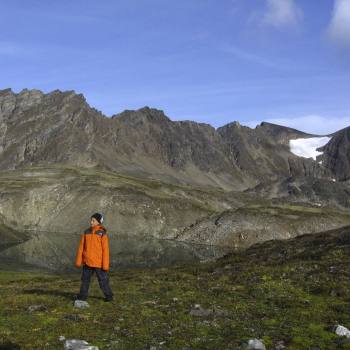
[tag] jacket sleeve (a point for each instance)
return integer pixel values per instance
(105, 252)
(79, 257)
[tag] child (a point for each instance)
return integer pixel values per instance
(93, 253)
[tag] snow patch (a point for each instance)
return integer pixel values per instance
(307, 147)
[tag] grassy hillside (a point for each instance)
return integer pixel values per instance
(293, 291)
(61, 198)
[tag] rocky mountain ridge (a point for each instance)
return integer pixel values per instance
(60, 127)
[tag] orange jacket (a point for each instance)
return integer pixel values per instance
(94, 248)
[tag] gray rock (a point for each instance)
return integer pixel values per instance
(220, 312)
(342, 331)
(338, 162)
(199, 311)
(256, 344)
(280, 345)
(81, 304)
(40, 307)
(77, 344)
(202, 312)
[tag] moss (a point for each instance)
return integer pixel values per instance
(296, 300)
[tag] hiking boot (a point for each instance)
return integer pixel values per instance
(108, 299)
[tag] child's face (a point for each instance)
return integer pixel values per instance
(94, 222)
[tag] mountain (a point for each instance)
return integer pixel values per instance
(264, 153)
(60, 127)
(156, 179)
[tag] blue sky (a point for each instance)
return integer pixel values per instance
(283, 61)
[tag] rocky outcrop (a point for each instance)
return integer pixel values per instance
(336, 156)
(306, 190)
(245, 226)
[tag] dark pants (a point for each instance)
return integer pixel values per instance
(103, 281)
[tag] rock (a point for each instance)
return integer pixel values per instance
(76, 344)
(342, 331)
(40, 307)
(280, 345)
(334, 292)
(220, 313)
(81, 304)
(61, 338)
(199, 311)
(218, 271)
(256, 344)
(336, 154)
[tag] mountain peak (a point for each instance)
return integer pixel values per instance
(235, 124)
(6, 91)
(144, 113)
(26, 91)
(271, 125)
(272, 129)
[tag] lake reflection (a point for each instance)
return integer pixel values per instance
(56, 251)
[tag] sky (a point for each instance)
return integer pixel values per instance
(282, 61)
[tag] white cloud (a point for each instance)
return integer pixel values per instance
(313, 124)
(282, 13)
(339, 27)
